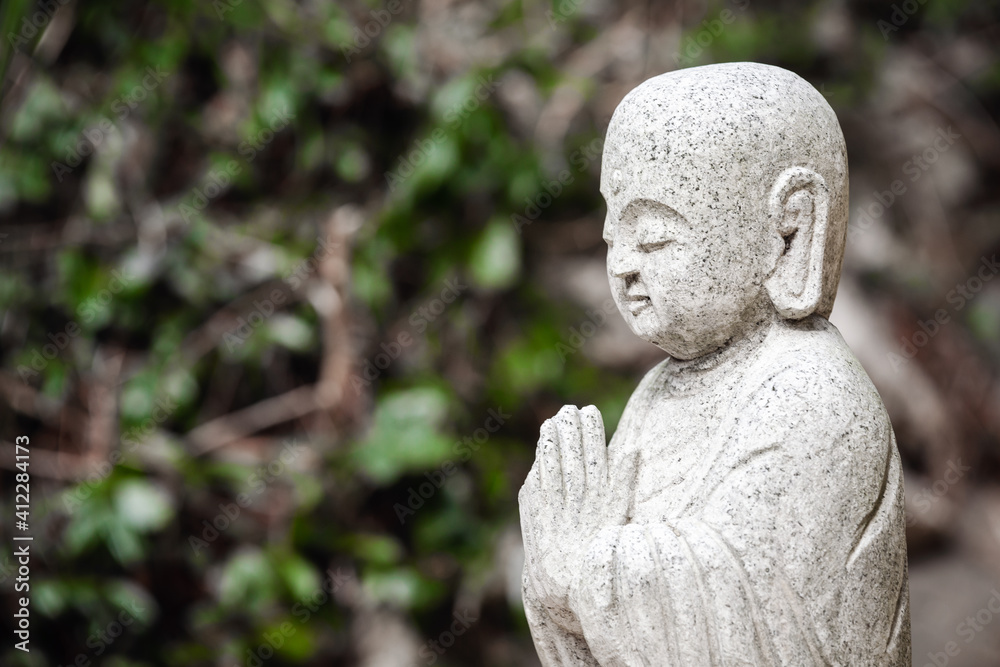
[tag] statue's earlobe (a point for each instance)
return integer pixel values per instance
(798, 208)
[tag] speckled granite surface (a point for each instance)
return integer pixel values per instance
(749, 508)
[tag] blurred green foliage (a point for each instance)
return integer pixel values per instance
(436, 173)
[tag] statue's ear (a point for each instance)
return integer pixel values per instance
(798, 208)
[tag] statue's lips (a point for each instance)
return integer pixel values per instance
(637, 303)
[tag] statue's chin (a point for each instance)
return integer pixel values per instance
(675, 336)
(644, 329)
(673, 347)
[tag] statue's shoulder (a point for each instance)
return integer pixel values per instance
(805, 373)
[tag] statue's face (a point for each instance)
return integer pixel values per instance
(690, 160)
(684, 259)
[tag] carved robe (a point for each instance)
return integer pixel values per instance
(766, 523)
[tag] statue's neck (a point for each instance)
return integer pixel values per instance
(691, 374)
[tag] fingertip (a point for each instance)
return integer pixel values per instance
(549, 431)
(568, 412)
(592, 416)
(591, 412)
(571, 415)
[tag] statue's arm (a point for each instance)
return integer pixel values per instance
(677, 592)
(556, 646)
(793, 555)
(814, 508)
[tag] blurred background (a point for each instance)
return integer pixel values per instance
(288, 288)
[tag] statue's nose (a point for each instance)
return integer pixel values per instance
(621, 262)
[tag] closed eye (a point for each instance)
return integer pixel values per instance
(653, 246)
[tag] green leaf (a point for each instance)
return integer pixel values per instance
(301, 644)
(123, 543)
(248, 580)
(405, 435)
(299, 576)
(84, 529)
(48, 597)
(403, 588)
(291, 332)
(138, 396)
(142, 506)
(129, 596)
(41, 104)
(100, 193)
(376, 549)
(353, 164)
(496, 256)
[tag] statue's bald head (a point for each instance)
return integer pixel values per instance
(729, 149)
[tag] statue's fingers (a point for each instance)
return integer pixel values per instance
(531, 501)
(620, 489)
(630, 467)
(530, 487)
(571, 446)
(595, 447)
(549, 461)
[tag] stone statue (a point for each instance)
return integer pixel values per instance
(749, 508)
